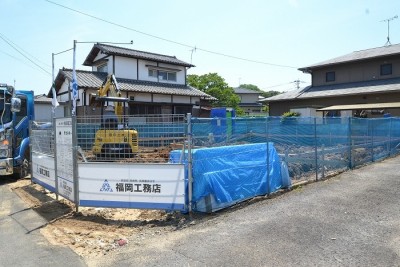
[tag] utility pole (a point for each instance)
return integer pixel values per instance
(297, 83)
(388, 29)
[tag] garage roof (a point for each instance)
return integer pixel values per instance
(362, 106)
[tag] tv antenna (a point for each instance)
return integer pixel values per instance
(388, 23)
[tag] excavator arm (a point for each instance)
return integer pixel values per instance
(111, 87)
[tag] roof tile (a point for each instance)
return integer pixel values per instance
(90, 79)
(126, 52)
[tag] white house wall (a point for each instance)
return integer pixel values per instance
(144, 72)
(88, 93)
(307, 112)
(162, 98)
(43, 112)
(180, 75)
(63, 92)
(109, 62)
(182, 99)
(125, 68)
(140, 97)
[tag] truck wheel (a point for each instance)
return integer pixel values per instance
(23, 170)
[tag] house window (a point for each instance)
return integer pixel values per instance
(162, 75)
(386, 69)
(102, 68)
(171, 76)
(152, 73)
(330, 76)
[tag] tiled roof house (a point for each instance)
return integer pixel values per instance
(249, 100)
(155, 83)
(347, 85)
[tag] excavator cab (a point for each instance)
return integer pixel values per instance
(113, 139)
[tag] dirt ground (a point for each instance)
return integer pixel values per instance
(96, 232)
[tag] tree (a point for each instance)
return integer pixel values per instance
(206, 81)
(215, 85)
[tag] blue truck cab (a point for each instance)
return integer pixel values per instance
(16, 112)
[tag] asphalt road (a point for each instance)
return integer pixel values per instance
(21, 243)
(352, 219)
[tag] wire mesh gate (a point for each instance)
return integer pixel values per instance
(111, 165)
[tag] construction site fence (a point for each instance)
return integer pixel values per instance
(156, 134)
(312, 147)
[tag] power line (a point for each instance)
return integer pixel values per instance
(2, 37)
(171, 41)
(269, 87)
(26, 51)
(18, 59)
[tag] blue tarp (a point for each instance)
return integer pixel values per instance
(231, 174)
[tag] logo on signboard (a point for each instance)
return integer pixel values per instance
(106, 187)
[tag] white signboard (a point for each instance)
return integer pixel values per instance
(140, 186)
(65, 174)
(43, 171)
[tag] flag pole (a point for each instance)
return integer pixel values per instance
(53, 110)
(74, 83)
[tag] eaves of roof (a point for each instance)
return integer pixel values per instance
(362, 106)
(355, 56)
(285, 96)
(240, 90)
(345, 89)
(42, 99)
(131, 53)
(93, 80)
(250, 105)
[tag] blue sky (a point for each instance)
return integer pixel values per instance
(290, 33)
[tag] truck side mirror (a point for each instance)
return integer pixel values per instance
(15, 104)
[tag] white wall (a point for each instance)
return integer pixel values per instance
(180, 75)
(125, 68)
(183, 99)
(43, 112)
(162, 98)
(64, 88)
(144, 72)
(142, 97)
(307, 112)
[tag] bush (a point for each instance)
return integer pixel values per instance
(290, 116)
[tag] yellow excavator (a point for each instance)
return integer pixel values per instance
(113, 139)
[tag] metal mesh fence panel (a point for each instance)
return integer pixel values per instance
(294, 139)
(394, 136)
(42, 138)
(312, 148)
(332, 146)
(141, 139)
